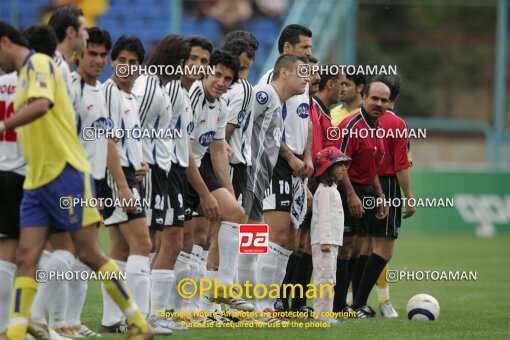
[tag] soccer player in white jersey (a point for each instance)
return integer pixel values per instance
(12, 175)
(239, 99)
(210, 119)
(266, 144)
(68, 23)
(294, 163)
(129, 238)
(91, 117)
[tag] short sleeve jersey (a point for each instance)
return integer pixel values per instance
(239, 99)
(181, 121)
(122, 109)
(209, 120)
(91, 115)
(11, 157)
(49, 142)
(397, 150)
(295, 115)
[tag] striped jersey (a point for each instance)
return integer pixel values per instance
(122, 109)
(267, 133)
(91, 117)
(11, 156)
(295, 114)
(181, 122)
(239, 99)
(155, 118)
(209, 121)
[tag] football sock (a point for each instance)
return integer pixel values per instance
(373, 268)
(138, 281)
(161, 280)
(382, 286)
(119, 292)
(228, 245)
(111, 313)
(181, 271)
(196, 252)
(357, 272)
(246, 272)
(24, 291)
(302, 277)
(205, 305)
(341, 285)
(7, 271)
(349, 297)
(77, 294)
(288, 278)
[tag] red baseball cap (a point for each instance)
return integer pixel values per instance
(327, 157)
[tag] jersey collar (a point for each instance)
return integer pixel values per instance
(370, 123)
(31, 53)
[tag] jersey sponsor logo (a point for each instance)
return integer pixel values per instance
(253, 238)
(8, 89)
(190, 128)
(302, 110)
(262, 97)
(240, 117)
(206, 138)
(103, 123)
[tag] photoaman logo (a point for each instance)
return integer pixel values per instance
(253, 238)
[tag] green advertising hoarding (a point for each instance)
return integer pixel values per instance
(481, 202)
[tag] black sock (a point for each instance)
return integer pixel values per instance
(287, 279)
(373, 268)
(341, 285)
(350, 266)
(302, 277)
(357, 272)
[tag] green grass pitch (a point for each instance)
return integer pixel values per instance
(469, 309)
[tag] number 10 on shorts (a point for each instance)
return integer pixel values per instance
(253, 238)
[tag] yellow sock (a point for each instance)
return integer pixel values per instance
(119, 292)
(383, 289)
(23, 294)
(349, 298)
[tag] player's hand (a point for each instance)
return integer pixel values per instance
(326, 248)
(409, 210)
(128, 200)
(355, 206)
(298, 166)
(382, 210)
(140, 174)
(230, 151)
(308, 166)
(210, 207)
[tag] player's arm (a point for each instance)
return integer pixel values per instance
(220, 163)
(113, 165)
(402, 160)
(295, 163)
(307, 155)
(208, 203)
(382, 208)
(404, 180)
(353, 201)
(36, 109)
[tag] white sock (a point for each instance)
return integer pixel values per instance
(228, 245)
(7, 271)
(181, 270)
(45, 298)
(77, 295)
(382, 291)
(271, 269)
(111, 313)
(161, 280)
(204, 304)
(196, 253)
(138, 281)
(247, 270)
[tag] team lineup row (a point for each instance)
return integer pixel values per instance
(243, 155)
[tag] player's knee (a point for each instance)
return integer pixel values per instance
(200, 238)
(236, 214)
(143, 246)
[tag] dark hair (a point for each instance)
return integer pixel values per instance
(326, 76)
(313, 60)
(358, 79)
(169, 51)
(13, 34)
(238, 46)
(392, 81)
(42, 39)
(98, 36)
(291, 34)
(243, 35)
(62, 18)
(286, 61)
(201, 41)
(129, 43)
(328, 177)
(225, 58)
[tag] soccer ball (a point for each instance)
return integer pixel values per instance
(422, 307)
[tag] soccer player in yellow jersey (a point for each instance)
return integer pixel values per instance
(57, 174)
(352, 88)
